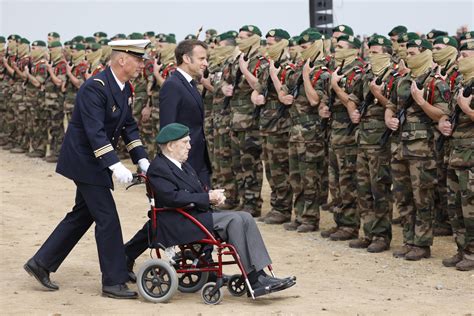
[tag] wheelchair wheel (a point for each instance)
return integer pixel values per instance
(191, 282)
(211, 299)
(157, 281)
(236, 285)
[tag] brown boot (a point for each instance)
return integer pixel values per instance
(465, 265)
(359, 243)
(275, 217)
(452, 261)
(292, 226)
(417, 253)
(344, 233)
(378, 245)
(51, 159)
(442, 231)
(326, 233)
(401, 253)
(35, 154)
(306, 228)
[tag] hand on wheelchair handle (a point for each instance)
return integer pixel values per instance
(121, 173)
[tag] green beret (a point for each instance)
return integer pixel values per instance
(104, 41)
(39, 43)
(78, 46)
(467, 46)
(421, 43)
(278, 33)
(54, 34)
(350, 39)
(2, 39)
(435, 33)
(406, 37)
(14, 37)
(343, 29)
(161, 37)
(467, 36)
(100, 34)
(171, 38)
(149, 34)
(379, 40)
(54, 44)
(171, 132)
(252, 29)
(309, 30)
(226, 35)
(397, 30)
(309, 37)
(95, 46)
(119, 36)
(294, 40)
(78, 39)
(190, 36)
(25, 41)
(90, 40)
(447, 40)
(135, 36)
(211, 32)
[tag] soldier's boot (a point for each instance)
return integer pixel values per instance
(453, 261)
(291, 226)
(51, 159)
(307, 227)
(360, 243)
(401, 253)
(326, 233)
(417, 253)
(442, 231)
(378, 245)
(275, 217)
(35, 154)
(17, 150)
(327, 206)
(344, 233)
(465, 265)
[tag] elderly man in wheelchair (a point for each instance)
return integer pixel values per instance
(175, 185)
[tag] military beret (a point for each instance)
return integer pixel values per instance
(211, 32)
(100, 34)
(24, 41)
(397, 30)
(90, 39)
(171, 38)
(78, 46)
(309, 37)
(447, 40)
(406, 37)
(421, 43)
(379, 40)
(54, 44)
(161, 37)
(467, 36)
(309, 30)
(104, 41)
(343, 29)
(39, 43)
(467, 46)
(435, 33)
(2, 39)
(294, 40)
(14, 37)
(119, 36)
(226, 35)
(278, 33)
(95, 46)
(149, 34)
(252, 29)
(135, 36)
(78, 38)
(54, 34)
(190, 36)
(350, 39)
(171, 132)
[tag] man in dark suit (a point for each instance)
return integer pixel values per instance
(102, 114)
(175, 184)
(181, 102)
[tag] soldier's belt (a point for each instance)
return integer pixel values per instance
(462, 142)
(415, 126)
(372, 125)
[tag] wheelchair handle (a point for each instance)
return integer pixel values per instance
(137, 178)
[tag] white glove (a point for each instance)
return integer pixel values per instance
(144, 164)
(122, 174)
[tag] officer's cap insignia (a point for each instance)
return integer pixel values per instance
(271, 33)
(380, 41)
(341, 28)
(100, 81)
(251, 28)
(405, 38)
(430, 34)
(445, 40)
(114, 108)
(418, 42)
(351, 38)
(306, 37)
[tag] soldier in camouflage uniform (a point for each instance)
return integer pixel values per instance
(246, 141)
(373, 159)
(343, 147)
(413, 162)
(99, 36)
(106, 51)
(53, 37)
(274, 126)
(3, 88)
(94, 57)
(461, 164)
(394, 35)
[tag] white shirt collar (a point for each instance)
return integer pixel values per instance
(176, 162)
(185, 74)
(120, 84)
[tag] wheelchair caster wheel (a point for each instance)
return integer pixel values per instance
(190, 282)
(157, 281)
(236, 285)
(208, 297)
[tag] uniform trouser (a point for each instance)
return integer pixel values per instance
(414, 183)
(441, 218)
(9, 118)
(461, 208)
(148, 132)
(246, 160)
(333, 179)
(306, 167)
(93, 204)
(277, 171)
(55, 123)
(345, 158)
(19, 111)
(373, 192)
(226, 178)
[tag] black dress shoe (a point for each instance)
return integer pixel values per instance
(266, 284)
(41, 274)
(131, 275)
(118, 291)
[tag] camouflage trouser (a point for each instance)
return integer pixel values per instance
(9, 118)
(148, 133)
(246, 161)
(68, 108)
(55, 123)
(225, 176)
(324, 189)
(3, 107)
(461, 208)
(333, 179)
(32, 103)
(208, 131)
(346, 215)
(306, 165)
(277, 170)
(373, 192)
(414, 183)
(441, 218)
(19, 111)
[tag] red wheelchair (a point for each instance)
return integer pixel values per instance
(188, 270)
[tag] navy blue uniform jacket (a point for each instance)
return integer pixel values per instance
(102, 113)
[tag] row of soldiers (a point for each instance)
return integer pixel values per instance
(312, 109)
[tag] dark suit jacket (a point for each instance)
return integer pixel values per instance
(181, 103)
(102, 113)
(174, 187)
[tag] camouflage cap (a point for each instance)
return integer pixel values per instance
(294, 40)
(14, 37)
(435, 33)
(421, 43)
(135, 36)
(54, 44)
(190, 36)
(211, 32)
(119, 36)
(406, 37)
(446, 40)
(343, 29)
(90, 40)
(278, 33)
(467, 46)
(54, 34)
(467, 36)
(397, 30)
(2, 40)
(104, 41)
(309, 37)
(100, 34)
(252, 29)
(379, 40)
(149, 34)
(95, 46)
(39, 43)
(226, 35)
(78, 46)
(78, 39)
(25, 41)
(350, 39)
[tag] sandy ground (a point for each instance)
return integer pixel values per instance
(332, 278)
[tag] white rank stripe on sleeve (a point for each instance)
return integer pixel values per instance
(133, 144)
(103, 150)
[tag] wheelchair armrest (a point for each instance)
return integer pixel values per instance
(185, 208)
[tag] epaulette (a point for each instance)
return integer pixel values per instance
(100, 81)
